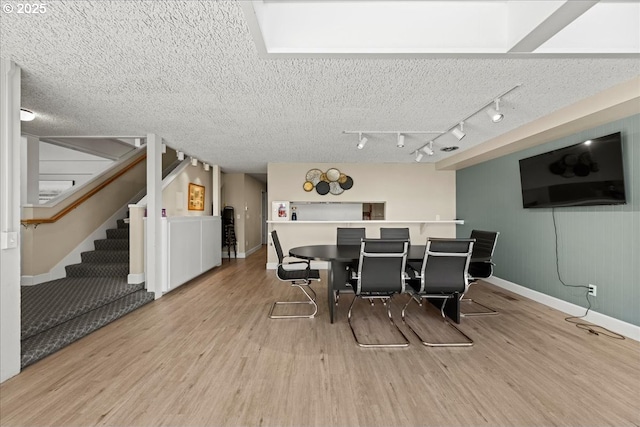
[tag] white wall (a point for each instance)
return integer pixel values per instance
(412, 192)
(175, 196)
(62, 164)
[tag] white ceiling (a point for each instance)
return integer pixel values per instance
(190, 72)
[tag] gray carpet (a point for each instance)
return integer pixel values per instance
(94, 293)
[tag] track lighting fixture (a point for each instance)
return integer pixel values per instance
(492, 108)
(494, 113)
(180, 155)
(206, 167)
(459, 133)
(194, 161)
(362, 140)
(26, 115)
(427, 149)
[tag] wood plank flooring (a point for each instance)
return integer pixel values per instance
(207, 355)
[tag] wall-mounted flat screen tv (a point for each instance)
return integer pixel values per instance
(584, 174)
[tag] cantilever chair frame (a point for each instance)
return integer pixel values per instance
(384, 295)
(423, 292)
(348, 236)
(303, 282)
(489, 311)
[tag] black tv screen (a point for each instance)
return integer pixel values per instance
(584, 174)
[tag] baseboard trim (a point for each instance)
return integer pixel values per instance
(611, 323)
(135, 279)
(34, 280)
(252, 250)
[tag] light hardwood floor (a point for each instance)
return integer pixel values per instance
(206, 354)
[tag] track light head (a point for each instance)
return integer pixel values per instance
(419, 156)
(206, 167)
(180, 155)
(194, 161)
(459, 133)
(494, 113)
(427, 149)
(400, 143)
(362, 140)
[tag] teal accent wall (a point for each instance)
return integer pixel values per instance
(597, 244)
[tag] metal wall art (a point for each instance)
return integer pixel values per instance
(330, 182)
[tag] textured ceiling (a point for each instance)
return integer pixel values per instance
(189, 72)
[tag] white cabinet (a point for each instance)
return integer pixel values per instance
(191, 246)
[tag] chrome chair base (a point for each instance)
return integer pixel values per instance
(311, 301)
(387, 301)
(468, 342)
(490, 312)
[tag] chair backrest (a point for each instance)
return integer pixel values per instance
(394, 233)
(350, 236)
(278, 248)
(381, 267)
(485, 243)
(445, 265)
(483, 248)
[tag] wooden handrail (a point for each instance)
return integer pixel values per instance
(84, 198)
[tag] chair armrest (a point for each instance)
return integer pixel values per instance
(297, 262)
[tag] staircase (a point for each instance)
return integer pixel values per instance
(94, 293)
(110, 257)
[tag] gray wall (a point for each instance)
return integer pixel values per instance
(597, 244)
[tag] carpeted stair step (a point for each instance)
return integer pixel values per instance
(118, 233)
(122, 223)
(52, 340)
(110, 269)
(49, 304)
(111, 244)
(105, 256)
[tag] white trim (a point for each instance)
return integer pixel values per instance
(616, 325)
(254, 249)
(35, 280)
(135, 279)
(231, 256)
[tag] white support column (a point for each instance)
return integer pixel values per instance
(217, 190)
(30, 170)
(153, 236)
(9, 219)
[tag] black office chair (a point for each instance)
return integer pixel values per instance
(394, 233)
(481, 269)
(380, 276)
(443, 275)
(300, 278)
(350, 237)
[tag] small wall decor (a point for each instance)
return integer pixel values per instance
(196, 197)
(280, 211)
(330, 182)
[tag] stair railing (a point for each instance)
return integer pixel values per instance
(37, 221)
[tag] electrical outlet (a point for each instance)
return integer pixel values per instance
(593, 290)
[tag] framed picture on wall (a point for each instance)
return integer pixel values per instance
(280, 211)
(196, 197)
